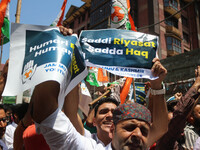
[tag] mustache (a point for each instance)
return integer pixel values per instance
(135, 142)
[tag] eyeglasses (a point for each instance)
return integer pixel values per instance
(3, 119)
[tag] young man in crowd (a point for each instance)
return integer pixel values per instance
(192, 129)
(3, 123)
(18, 113)
(103, 119)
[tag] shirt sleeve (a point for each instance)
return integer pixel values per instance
(9, 138)
(190, 138)
(59, 133)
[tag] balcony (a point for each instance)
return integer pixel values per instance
(172, 53)
(173, 30)
(172, 10)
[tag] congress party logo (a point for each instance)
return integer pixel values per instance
(117, 14)
(29, 70)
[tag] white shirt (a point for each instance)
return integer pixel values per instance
(93, 136)
(60, 134)
(3, 145)
(9, 135)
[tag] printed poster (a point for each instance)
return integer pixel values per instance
(42, 53)
(121, 52)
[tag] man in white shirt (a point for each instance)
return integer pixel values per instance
(103, 120)
(18, 112)
(9, 134)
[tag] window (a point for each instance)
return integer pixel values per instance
(173, 44)
(171, 3)
(83, 17)
(71, 25)
(171, 21)
(184, 21)
(79, 20)
(182, 3)
(185, 37)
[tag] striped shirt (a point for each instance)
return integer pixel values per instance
(191, 135)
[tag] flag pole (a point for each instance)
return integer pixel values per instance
(2, 38)
(18, 12)
(17, 20)
(134, 92)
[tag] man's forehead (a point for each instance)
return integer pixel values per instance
(133, 121)
(2, 113)
(107, 105)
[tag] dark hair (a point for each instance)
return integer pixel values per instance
(102, 101)
(8, 107)
(20, 110)
(198, 103)
(171, 104)
(2, 107)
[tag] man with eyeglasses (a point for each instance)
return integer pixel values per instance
(3, 123)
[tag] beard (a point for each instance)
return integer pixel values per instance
(2, 132)
(197, 122)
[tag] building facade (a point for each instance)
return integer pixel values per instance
(176, 22)
(78, 18)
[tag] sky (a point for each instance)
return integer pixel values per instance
(37, 12)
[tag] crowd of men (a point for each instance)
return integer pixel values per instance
(164, 125)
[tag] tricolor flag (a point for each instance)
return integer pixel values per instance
(120, 15)
(121, 19)
(97, 77)
(85, 98)
(58, 20)
(4, 21)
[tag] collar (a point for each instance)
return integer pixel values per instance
(14, 124)
(97, 139)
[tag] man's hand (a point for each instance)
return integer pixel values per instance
(158, 70)
(65, 31)
(178, 96)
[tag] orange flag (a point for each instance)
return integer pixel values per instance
(125, 89)
(102, 75)
(58, 20)
(3, 6)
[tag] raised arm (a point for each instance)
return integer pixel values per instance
(182, 110)
(71, 109)
(45, 95)
(3, 77)
(159, 109)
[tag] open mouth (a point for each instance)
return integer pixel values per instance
(107, 122)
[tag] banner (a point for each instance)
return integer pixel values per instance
(140, 93)
(121, 52)
(42, 53)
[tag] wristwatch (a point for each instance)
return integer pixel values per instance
(157, 92)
